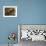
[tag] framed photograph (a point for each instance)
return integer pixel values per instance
(9, 11)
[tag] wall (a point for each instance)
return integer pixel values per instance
(29, 12)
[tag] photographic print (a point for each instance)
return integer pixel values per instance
(9, 11)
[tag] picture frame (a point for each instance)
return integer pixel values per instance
(9, 11)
